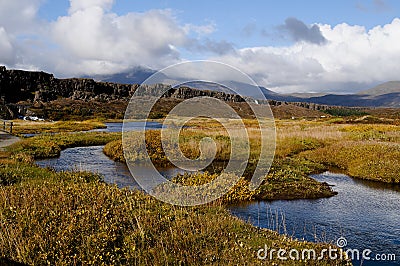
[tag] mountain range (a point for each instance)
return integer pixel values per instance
(383, 95)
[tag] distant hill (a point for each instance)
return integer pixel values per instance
(244, 89)
(358, 100)
(136, 75)
(382, 89)
(384, 95)
(307, 95)
(235, 88)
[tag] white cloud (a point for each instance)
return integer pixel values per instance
(19, 15)
(351, 55)
(90, 39)
(200, 29)
(91, 34)
(6, 48)
(78, 5)
(18, 25)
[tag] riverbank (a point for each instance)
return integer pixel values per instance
(22, 127)
(50, 146)
(362, 150)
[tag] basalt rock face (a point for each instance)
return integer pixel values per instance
(310, 106)
(88, 89)
(186, 93)
(18, 85)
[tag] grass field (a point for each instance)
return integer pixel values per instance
(72, 218)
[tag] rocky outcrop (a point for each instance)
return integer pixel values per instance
(32, 89)
(18, 85)
(186, 93)
(310, 106)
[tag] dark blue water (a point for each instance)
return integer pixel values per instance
(367, 214)
(94, 160)
(117, 127)
(137, 125)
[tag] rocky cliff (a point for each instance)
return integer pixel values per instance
(34, 89)
(18, 85)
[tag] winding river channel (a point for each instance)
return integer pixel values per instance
(365, 214)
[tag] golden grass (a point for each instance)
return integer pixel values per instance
(47, 146)
(75, 219)
(367, 151)
(287, 180)
(67, 218)
(37, 127)
(309, 129)
(49, 218)
(372, 160)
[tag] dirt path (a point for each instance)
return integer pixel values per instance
(7, 140)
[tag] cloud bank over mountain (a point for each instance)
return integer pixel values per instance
(90, 38)
(350, 55)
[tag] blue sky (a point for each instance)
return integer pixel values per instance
(288, 46)
(235, 20)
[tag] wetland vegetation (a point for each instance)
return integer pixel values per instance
(74, 218)
(64, 218)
